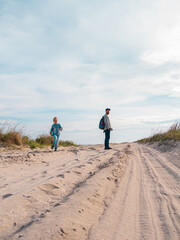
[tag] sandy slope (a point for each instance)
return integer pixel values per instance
(130, 192)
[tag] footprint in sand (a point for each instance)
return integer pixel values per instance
(73, 151)
(48, 188)
(7, 195)
(60, 175)
(91, 173)
(80, 166)
(78, 172)
(4, 186)
(98, 160)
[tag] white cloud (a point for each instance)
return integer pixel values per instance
(164, 45)
(86, 56)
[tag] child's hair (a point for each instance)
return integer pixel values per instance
(54, 119)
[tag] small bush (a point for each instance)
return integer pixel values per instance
(66, 143)
(44, 139)
(33, 144)
(25, 139)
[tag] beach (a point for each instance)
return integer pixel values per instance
(131, 192)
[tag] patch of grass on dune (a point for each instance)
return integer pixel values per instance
(31, 143)
(47, 140)
(44, 140)
(173, 133)
(67, 143)
(11, 136)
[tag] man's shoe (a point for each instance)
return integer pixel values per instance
(55, 150)
(52, 147)
(109, 148)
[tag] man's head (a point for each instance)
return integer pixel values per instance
(55, 120)
(107, 111)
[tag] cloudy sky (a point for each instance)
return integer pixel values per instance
(74, 58)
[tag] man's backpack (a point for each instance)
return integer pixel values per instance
(102, 124)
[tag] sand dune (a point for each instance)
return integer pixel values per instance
(130, 192)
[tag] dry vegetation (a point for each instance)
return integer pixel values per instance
(11, 135)
(173, 133)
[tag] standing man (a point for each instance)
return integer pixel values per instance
(107, 129)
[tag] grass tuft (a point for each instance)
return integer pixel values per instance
(67, 143)
(10, 134)
(173, 133)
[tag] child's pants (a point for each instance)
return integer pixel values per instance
(56, 141)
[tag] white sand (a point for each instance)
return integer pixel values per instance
(130, 192)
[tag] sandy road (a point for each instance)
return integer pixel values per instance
(131, 192)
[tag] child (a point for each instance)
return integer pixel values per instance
(55, 132)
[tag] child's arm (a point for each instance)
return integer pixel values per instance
(51, 131)
(60, 127)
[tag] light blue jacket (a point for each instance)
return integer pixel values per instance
(55, 129)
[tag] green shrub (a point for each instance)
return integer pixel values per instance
(44, 139)
(33, 144)
(25, 139)
(66, 143)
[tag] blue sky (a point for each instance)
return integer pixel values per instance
(72, 59)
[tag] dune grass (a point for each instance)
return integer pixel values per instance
(31, 143)
(48, 140)
(173, 133)
(12, 136)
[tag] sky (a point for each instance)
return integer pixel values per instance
(74, 58)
